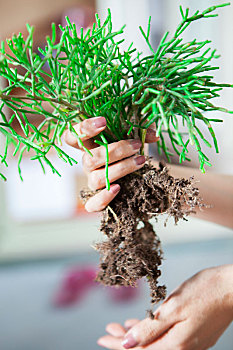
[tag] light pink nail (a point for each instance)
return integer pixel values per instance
(140, 160)
(115, 188)
(136, 144)
(151, 131)
(129, 341)
(99, 122)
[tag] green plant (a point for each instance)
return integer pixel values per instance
(89, 76)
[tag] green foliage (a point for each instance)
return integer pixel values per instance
(90, 76)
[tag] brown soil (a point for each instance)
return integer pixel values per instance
(132, 249)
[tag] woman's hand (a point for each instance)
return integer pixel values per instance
(193, 317)
(123, 158)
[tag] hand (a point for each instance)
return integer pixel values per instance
(122, 154)
(193, 317)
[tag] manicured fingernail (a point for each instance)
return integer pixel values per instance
(115, 188)
(129, 342)
(136, 144)
(151, 131)
(99, 122)
(140, 160)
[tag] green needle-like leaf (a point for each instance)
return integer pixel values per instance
(89, 76)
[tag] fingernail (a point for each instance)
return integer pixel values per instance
(140, 160)
(151, 131)
(136, 144)
(129, 342)
(99, 122)
(115, 188)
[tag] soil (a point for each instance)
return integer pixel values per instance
(132, 249)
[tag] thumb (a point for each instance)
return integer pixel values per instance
(145, 332)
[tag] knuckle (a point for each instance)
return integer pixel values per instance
(86, 128)
(115, 150)
(170, 306)
(120, 149)
(91, 181)
(88, 162)
(93, 162)
(99, 155)
(150, 331)
(69, 138)
(94, 181)
(78, 128)
(122, 167)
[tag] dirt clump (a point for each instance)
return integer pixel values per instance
(132, 249)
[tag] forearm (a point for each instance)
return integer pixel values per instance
(215, 189)
(227, 273)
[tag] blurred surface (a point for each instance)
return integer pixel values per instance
(41, 208)
(29, 320)
(15, 14)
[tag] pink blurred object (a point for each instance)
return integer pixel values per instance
(80, 280)
(82, 16)
(75, 286)
(124, 294)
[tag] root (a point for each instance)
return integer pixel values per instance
(132, 249)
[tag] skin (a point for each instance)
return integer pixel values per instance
(124, 155)
(188, 319)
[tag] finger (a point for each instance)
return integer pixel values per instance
(176, 337)
(116, 330)
(102, 199)
(116, 151)
(113, 343)
(110, 342)
(151, 136)
(145, 332)
(86, 130)
(96, 179)
(130, 323)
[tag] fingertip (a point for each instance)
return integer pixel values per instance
(115, 329)
(130, 323)
(101, 342)
(129, 341)
(109, 327)
(101, 200)
(99, 122)
(115, 188)
(151, 136)
(88, 208)
(150, 140)
(140, 160)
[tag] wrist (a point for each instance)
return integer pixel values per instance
(226, 276)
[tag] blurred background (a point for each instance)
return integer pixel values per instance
(48, 299)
